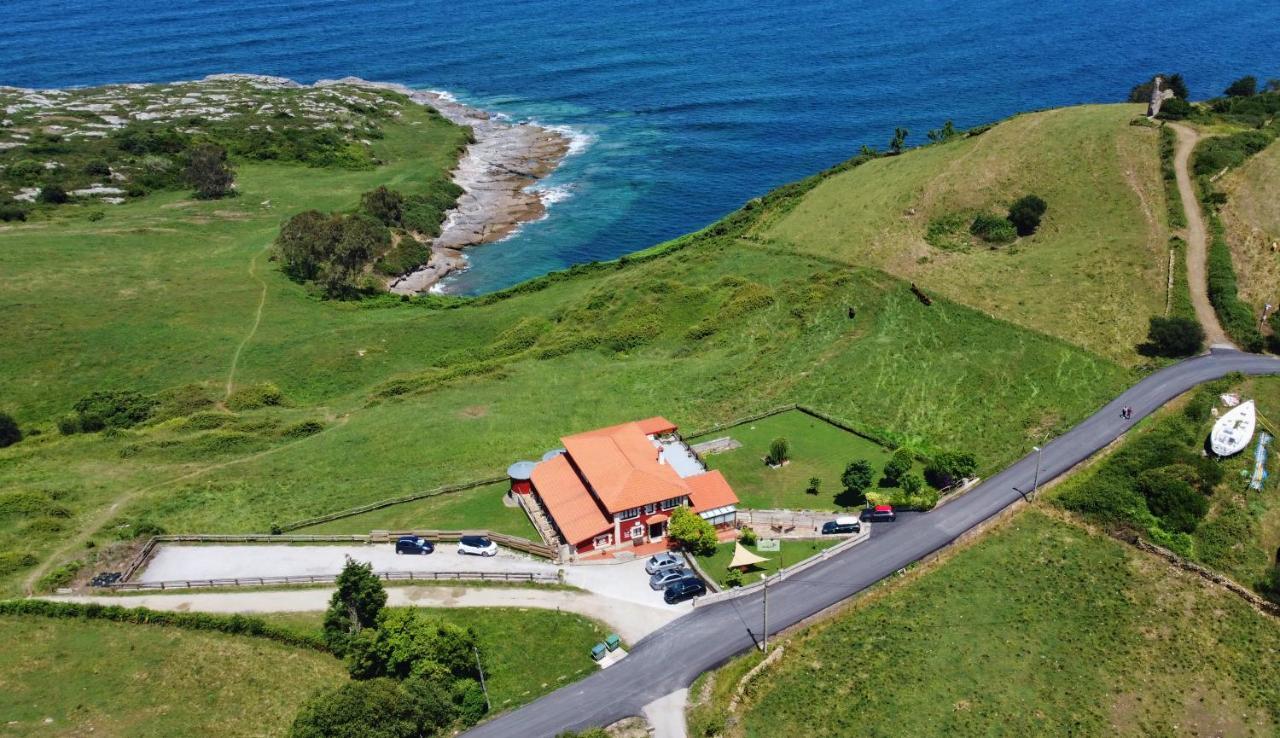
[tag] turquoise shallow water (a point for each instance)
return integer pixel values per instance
(684, 110)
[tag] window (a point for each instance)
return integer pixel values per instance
(637, 531)
(651, 508)
(673, 502)
(629, 514)
(602, 540)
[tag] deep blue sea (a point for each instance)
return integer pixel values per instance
(686, 109)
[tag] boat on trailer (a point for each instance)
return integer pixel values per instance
(1234, 430)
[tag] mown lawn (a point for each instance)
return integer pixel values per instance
(528, 652)
(1038, 629)
(480, 507)
(72, 677)
(817, 448)
(792, 552)
(1093, 273)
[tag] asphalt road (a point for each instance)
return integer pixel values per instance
(673, 656)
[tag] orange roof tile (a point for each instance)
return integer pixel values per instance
(621, 464)
(709, 491)
(569, 503)
(656, 426)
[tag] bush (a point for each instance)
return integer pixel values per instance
(896, 467)
(733, 578)
(993, 229)
(1215, 153)
(377, 708)
(747, 536)
(208, 171)
(1025, 214)
(1244, 87)
(407, 642)
(1175, 109)
(778, 451)
(12, 212)
(255, 396)
(814, 485)
(10, 433)
(384, 205)
(948, 468)
(911, 484)
(53, 194)
(1174, 337)
(857, 478)
(1172, 499)
(1236, 316)
(112, 409)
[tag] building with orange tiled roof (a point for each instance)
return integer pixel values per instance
(616, 486)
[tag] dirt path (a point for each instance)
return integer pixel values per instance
(1197, 240)
(257, 320)
(631, 621)
(94, 524)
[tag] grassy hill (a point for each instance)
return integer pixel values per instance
(1093, 273)
(1252, 220)
(1040, 628)
(177, 299)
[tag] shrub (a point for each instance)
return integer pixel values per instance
(1174, 337)
(1175, 109)
(407, 642)
(1236, 316)
(1025, 214)
(1215, 153)
(12, 212)
(97, 168)
(112, 409)
(208, 171)
(10, 433)
(376, 708)
(911, 484)
(733, 578)
(68, 425)
(1172, 499)
(896, 467)
(1244, 87)
(948, 468)
(814, 485)
(302, 429)
(748, 536)
(11, 561)
(1141, 93)
(778, 451)
(255, 396)
(384, 205)
(52, 194)
(993, 228)
(688, 529)
(60, 576)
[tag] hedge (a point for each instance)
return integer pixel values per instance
(229, 624)
(1236, 315)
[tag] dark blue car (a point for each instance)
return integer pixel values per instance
(414, 545)
(684, 588)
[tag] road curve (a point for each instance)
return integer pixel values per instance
(673, 656)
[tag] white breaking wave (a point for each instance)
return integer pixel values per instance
(579, 141)
(552, 194)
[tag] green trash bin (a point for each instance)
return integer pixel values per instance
(613, 642)
(598, 651)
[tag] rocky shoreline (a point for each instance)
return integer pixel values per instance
(496, 174)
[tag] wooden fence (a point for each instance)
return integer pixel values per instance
(390, 576)
(377, 536)
(388, 503)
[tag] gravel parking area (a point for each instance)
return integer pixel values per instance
(228, 562)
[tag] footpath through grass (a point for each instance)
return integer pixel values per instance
(1038, 629)
(75, 677)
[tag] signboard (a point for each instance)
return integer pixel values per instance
(768, 544)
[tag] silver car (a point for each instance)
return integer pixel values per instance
(667, 576)
(662, 562)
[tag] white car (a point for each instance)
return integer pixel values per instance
(477, 546)
(662, 562)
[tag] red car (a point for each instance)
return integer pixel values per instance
(880, 514)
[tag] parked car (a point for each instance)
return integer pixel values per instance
(477, 546)
(686, 587)
(843, 524)
(662, 562)
(661, 579)
(880, 514)
(414, 545)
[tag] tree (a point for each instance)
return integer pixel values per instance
(814, 485)
(899, 139)
(857, 477)
(897, 466)
(407, 642)
(387, 206)
(354, 606)
(692, 532)
(52, 194)
(911, 483)
(778, 451)
(10, 433)
(1273, 85)
(1025, 214)
(305, 242)
(376, 708)
(948, 468)
(1174, 82)
(208, 171)
(1244, 87)
(1174, 336)
(945, 133)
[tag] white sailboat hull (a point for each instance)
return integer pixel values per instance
(1233, 431)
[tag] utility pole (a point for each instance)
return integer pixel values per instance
(765, 629)
(1035, 484)
(487, 705)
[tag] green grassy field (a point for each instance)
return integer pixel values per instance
(72, 677)
(410, 396)
(793, 552)
(528, 652)
(1092, 274)
(1252, 219)
(818, 449)
(1038, 629)
(473, 508)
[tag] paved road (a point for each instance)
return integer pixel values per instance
(673, 656)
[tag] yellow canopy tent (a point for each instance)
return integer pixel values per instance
(742, 558)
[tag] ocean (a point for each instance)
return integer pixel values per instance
(680, 111)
